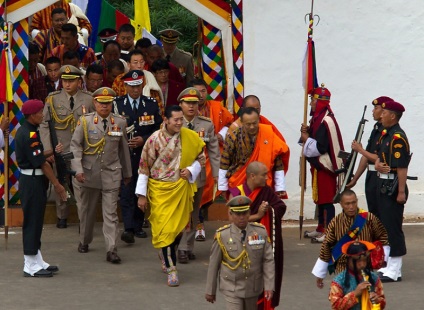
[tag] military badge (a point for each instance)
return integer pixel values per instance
(67, 69)
(34, 144)
(397, 155)
(398, 146)
(135, 75)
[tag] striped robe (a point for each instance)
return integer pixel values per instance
(373, 230)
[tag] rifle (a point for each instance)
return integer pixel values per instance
(61, 159)
(350, 159)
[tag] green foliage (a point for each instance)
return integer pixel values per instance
(166, 14)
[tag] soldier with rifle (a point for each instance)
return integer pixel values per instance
(392, 166)
(369, 156)
(322, 142)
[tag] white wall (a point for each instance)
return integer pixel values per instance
(364, 49)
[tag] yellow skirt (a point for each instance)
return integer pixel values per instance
(171, 204)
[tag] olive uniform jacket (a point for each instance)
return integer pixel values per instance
(205, 129)
(241, 283)
(103, 166)
(60, 100)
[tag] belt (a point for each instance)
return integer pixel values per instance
(386, 176)
(371, 167)
(32, 171)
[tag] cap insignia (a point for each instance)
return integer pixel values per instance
(192, 92)
(67, 69)
(105, 92)
(134, 75)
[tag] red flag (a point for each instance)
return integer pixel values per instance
(310, 80)
(6, 93)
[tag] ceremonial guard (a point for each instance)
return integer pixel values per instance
(369, 156)
(179, 58)
(203, 126)
(392, 166)
(34, 170)
(143, 118)
(66, 107)
(102, 160)
(241, 256)
(322, 142)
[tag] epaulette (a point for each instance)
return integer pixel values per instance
(86, 92)
(204, 118)
(119, 116)
(91, 113)
(223, 228)
(187, 53)
(257, 224)
(54, 93)
(150, 98)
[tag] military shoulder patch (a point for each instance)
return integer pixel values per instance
(257, 224)
(119, 115)
(204, 118)
(54, 93)
(86, 92)
(397, 146)
(223, 228)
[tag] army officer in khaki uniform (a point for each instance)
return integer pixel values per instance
(179, 58)
(102, 159)
(241, 256)
(189, 102)
(66, 106)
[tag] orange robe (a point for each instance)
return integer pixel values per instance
(268, 146)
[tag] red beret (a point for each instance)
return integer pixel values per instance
(381, 100)
(32, 106)
(321, 93)
(393, 106)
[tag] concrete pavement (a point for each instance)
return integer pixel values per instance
(87, 281)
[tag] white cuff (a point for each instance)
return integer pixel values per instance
(386, 249)
(141, 187)
(1, 138)
(280, 181)
(222, 180)
(223, 132)
(34, 33)
(320, 269)
(195, 170)
(310, 148)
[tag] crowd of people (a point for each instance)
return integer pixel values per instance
(144, 134)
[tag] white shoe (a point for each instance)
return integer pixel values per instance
(312, 234)
(319, 239)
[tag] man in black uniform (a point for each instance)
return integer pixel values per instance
(392, 166)
(369, 156)
(33, 187)
(143, 118)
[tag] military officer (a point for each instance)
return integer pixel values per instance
(143, 118)
(241, 256)
(189, 102)
(34, 169)
(392, 167)
(102, 159)
(66, 107)
(181, 59)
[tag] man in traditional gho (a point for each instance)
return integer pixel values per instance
(170, 163)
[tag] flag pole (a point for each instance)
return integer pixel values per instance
(305, 115)
(6, 140)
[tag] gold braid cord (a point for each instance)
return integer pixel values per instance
(242, 258)
(98, 147)
(63, 123)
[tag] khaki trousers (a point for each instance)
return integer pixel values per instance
(236, 303)
(87, 215)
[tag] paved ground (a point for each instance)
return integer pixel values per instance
(87, 281)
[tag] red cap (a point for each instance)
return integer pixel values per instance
(393, 106)
(321, 93)
(381, 100)
(32, 106)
